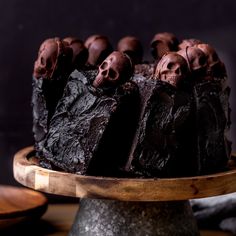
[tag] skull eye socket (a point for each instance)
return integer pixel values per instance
(112, 74)
(49, 63)
(104, 65)
(42, 61)
(170, 65)
(178, 71)
(202, 61)
(214, 57)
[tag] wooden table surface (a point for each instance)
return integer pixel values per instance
(58, 220)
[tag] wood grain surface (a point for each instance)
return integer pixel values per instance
(20, 204)
(62, 183)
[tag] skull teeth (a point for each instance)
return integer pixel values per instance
(97, 82)
(172, 77)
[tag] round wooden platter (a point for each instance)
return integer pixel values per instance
(61, 183)
(20, 204)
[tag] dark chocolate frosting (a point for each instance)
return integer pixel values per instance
(79, 139)
(168, 119)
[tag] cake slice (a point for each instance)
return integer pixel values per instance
(51, 70)
(93, 127)
(211, 105)
(211, 123)
(156, 149)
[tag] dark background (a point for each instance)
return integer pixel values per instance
(25, 24)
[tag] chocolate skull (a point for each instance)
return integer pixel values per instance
(46, 42)
(116, 69)
(91, 38)
(196, 60)
(214, 65)
(80, 52)
(162, 43)
(53, 56)
(132, 47)
(172, 68)
(48, 54)
(189, 43)
(99, 48)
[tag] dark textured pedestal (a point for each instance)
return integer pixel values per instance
(117, 218)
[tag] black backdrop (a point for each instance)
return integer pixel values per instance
(24, 24)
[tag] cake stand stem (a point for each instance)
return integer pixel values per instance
(98, 217)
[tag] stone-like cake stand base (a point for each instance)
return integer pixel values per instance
(116, 206)
(111, 217)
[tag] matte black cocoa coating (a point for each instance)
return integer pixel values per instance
(91, 133)
(180, 133)
(156, 147)
(142, 128)
(146, 70)
(45, 96)
(211, 122)
(151, 133)
(40, 115)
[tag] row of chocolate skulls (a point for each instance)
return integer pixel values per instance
(57, 56)
(198, 62)
(73, 53)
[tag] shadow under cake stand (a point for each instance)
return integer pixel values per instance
(121, 206)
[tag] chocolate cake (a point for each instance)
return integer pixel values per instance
(51, 70)
(110, 113)
(79, 139)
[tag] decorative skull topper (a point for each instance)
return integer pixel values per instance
(46, 42)
(91, 38)
(215, 68)
(99, 48)
(132, 47)
(47, 63)
(162, 43)
(115, 70)
(196, 60)
(172, 68)
(80, 52)
(189, 43)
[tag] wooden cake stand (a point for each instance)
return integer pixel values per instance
(120, 206)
